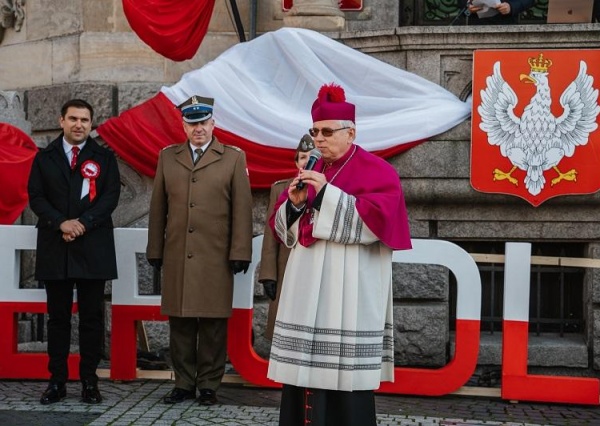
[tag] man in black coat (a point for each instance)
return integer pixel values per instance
(74, 187)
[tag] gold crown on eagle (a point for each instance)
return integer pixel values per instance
(539, 64)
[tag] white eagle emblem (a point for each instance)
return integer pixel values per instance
(537, 141)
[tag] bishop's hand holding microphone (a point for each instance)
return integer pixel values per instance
(314, 156)
(297, 192)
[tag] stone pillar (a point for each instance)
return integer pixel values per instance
(591, 309)
(12, 15)
(318, 15)
(12, 112)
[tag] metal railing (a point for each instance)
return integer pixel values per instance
(444, 12)
(556, 302)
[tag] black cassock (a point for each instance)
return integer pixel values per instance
(322, 407)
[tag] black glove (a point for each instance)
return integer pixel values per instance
(270, 287)
(155, 263)
(239, 266)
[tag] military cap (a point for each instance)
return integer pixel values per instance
(306, 144)
(196, 109)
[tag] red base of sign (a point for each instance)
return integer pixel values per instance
(520, 386)
(123, 349)
(516, 383)
(25, 365)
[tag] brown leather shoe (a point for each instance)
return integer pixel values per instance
(207, 397)
(178, 395)
(90, 393)
(55, 392)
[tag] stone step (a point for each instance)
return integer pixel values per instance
(545, 350)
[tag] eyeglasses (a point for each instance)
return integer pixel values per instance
(326, 131)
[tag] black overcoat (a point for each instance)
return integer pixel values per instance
(55, 196)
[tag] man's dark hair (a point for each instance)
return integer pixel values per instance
(77, 103)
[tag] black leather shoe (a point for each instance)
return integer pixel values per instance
(178, 395)
(53, 393)
(90, 393)
(207, 397)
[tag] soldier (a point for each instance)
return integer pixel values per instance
(274, 255)
(200, 231)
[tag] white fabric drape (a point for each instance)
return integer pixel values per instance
(264, 90)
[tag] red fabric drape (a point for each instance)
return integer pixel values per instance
(173, 28)
(268, 164)
(17, 151)
(138, 135)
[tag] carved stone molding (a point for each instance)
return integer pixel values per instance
(12, 110)
(316, 8)
(12, 15)
(318, 15)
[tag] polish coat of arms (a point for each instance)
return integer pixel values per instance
(535, 123)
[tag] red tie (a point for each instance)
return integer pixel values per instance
(74, 152)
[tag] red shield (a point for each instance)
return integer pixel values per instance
(535, 131)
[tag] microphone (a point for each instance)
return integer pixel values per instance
(313, 157)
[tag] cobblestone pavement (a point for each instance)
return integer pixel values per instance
(139, 403)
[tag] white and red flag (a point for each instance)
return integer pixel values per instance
(263, 91)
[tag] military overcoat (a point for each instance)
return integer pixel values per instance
(274, 255)
(200, 219)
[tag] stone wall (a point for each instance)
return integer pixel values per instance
(66, 42)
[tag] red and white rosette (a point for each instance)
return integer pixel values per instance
(91, 170)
